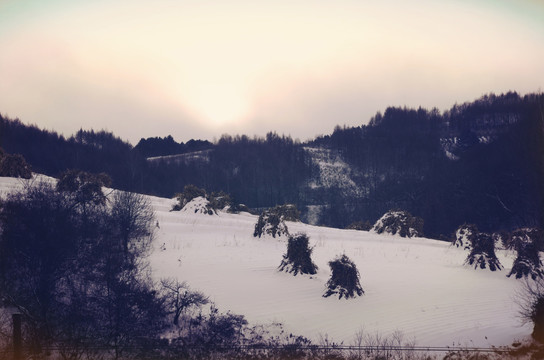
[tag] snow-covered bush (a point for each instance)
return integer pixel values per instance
(272, 221)
(465, 235)
(482, 254)
(344, 279)
(298, 259)
(194, 199)
(399, 222)
(199, 205)
(528, 262)
(189, 193)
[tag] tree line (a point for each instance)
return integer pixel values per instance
(479, 162)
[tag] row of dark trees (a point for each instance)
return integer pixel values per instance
(491, 174)
(157, 146)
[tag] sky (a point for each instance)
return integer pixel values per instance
(197, 69)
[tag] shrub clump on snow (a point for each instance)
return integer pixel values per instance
(465, 235)
(199, 205)
(482, 254)
(288, 212)
(189, 193)
(399, 222)
(298, 259)
(195, 199)
(272, 221)
(344, 279)
(528, 262)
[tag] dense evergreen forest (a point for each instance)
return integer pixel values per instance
(480, 162)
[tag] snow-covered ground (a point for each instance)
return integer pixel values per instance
(417, 286)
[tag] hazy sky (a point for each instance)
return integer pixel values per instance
(201, 68)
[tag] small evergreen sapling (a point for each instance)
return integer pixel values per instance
(344, 279)
(483, 254)
(298, 259)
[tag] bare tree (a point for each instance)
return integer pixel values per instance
(530, 299)
(179, 298)
(132, 217)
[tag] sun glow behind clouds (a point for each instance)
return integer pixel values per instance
(250, 65)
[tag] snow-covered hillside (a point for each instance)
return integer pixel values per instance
(417, 286)
(334, 172)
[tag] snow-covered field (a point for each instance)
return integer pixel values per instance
(417, 286)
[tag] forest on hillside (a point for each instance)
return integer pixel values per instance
(480, 162)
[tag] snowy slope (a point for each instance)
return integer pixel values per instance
(334, 172)
(418, 286)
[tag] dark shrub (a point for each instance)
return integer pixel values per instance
(288, 212)
(527, 263)
(14, 166)
(538, 319)
(344, 279)
(531, 302)
(272, 222)
(84, 187)
(298, 257)
(220, 200)
(483, 254)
